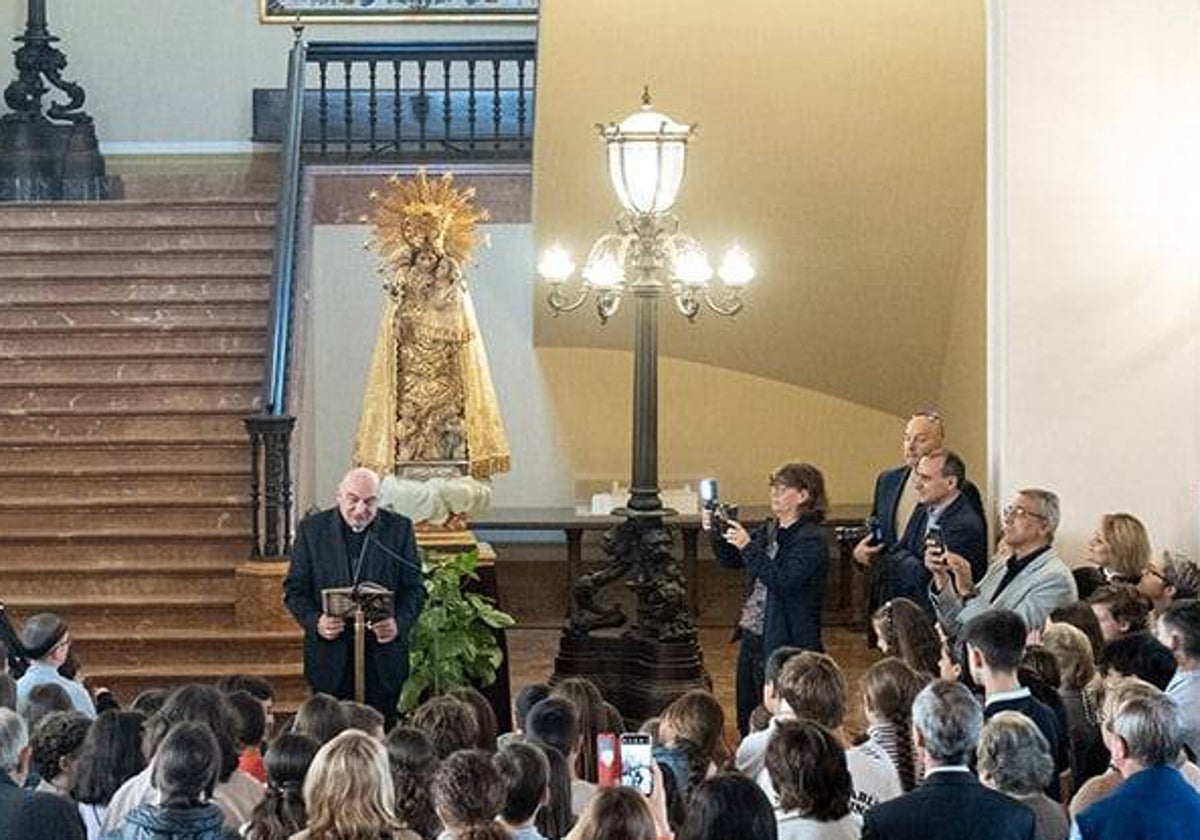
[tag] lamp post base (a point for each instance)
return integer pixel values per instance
(641, 677)
(45, 161)
(643, 668)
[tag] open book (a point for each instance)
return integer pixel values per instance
(378, 603)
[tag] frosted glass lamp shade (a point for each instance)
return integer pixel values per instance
(646, 155)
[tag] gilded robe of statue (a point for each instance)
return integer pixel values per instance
(429, 394)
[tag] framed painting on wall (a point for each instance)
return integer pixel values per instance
(375, 11)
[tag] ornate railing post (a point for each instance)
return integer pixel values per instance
(271, 484)
(40, 159)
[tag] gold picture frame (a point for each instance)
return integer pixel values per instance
(398, 11)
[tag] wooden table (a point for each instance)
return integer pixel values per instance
(842, 520)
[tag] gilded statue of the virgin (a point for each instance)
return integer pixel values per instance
(430, 408)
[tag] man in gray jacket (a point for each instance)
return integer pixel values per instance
(1026, 576)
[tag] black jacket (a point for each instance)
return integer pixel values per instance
(902, 572)
(319, 561)
(27, 815)
(950, 806)
(154, 822)
(794, 578)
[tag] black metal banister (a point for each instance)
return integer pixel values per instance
(274, 397)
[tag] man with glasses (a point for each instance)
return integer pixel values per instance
(1026, 577)
(355, 543)
(47, 641)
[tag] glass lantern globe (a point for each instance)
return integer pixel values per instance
(646, 154)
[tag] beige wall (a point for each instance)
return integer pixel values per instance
(963, 396)
(163, 75)
(841, 143)
(715, 422)
(1095, 270)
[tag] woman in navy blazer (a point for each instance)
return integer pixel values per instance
(786, 562)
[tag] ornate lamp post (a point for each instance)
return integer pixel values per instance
(47, 156)
(647, 258)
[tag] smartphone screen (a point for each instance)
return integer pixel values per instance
(637, 762)
(608, 759)
(708, 490)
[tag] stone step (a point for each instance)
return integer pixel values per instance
(89, 368)
(30, 515)
(70, 454)
(211, 312)
(88, 614)
(103, 290)
(129, 546)
(123, 482)
(165, 426)
(80, 396)
(147, 270)
(81, 576)
(138, 340)
(156, 240)
(286, 678)
(137, 214)
(115, 263)
(196, 647)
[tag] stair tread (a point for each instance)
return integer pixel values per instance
(119, 204)
(223, 442)
(125, 599)
(116, 303)
(121, 329)
(127, 535)
(120, 412)
(105, 502)
(108, 567)
(129, 355)
(277, 669)
(124, 470)
(188, 634)
(106, 384)
(140, 274)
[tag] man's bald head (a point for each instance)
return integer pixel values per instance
(924, 435)
(358, 497)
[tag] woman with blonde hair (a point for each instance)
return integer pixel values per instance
(348, 791)
(1078, 688)
(1121, 547)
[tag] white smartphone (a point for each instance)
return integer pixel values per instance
(637, 762)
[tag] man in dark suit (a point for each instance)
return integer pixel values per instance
(942, 509)
(950, 804)
(26, 814)
(356, 542)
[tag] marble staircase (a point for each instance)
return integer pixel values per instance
(131, 347)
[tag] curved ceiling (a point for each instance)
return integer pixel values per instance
(841, 143)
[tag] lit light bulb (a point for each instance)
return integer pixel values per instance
(604, 272)
(736, 270)
(556, 265)
(691, 267)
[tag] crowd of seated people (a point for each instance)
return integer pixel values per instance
(1023, 700)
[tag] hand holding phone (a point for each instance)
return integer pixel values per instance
(608, 759)
(637, 762)
(935, 544)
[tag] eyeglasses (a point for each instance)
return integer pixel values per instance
(1150, 570)
(1018, 512)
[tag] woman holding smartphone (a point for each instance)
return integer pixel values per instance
(786, 561)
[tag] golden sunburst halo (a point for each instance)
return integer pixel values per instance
(409, 212)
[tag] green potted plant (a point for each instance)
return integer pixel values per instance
(454, 640)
